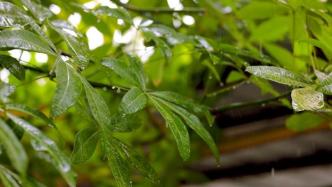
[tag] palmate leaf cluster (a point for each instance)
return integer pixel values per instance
(109, 88)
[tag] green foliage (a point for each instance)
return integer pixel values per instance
(152, 61)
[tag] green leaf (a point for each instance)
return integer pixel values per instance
(325, 85)
(303, 121)
(13, 16)
(85, 145)
(118, 13)
(260, 10)
(279, 75)
(120, 122)
(129, 68)
(37, 10)
(97, 105)
(69, 87)
(14, 148)
(118, 165)
(8, 178)
(60, 160)
(137, 161)
(30, 111)
(267, 30)
(177, 128)
(13, 66)
(307, 99)
(133, 101)
(73, 39)
(161, 44)
(25, 40)
(185, 103)
(194, 123)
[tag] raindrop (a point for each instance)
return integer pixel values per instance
(38, 146)
(272, 172)
(118, 90)
(65, 167)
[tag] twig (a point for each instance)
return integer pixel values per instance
(160, 10)
(114, 88)
(247, 104)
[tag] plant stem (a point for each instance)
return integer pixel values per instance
(251, 103)
(113, 88)
(161, 10)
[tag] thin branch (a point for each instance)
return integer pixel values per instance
(251, 103)
(160, 10)
(114, 88)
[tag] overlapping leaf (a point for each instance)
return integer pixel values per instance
(25, 40)
(73, 39)
(97, 105)
(30, 111)
(177, 128)
(8, 178)
(194, 123)
(13, 66)
(14, 148)
(185, 103)
(37, 10)
(69, 87)
(13, 16)
(85, 144)
(133, 101)
(129, 68)
(60, 160)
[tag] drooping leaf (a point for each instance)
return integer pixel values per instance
(85, 145)
(73, 39)
(14, 148)
(97, 105)
(303, 121)
(30, 111)
(177, 128)
(13, 66)
(136, 161)
(37, 10)
(194, 123)
(118, 13)
(129, 68)
(133, 101)
(118, 165)
(307, 99)
(25, 40)
(8, 178)
(185, 103)
(69, 87)
(60, 160)
(279, 75)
